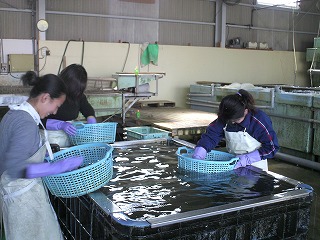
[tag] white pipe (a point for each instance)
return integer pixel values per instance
(299, 161)
(129, 17)
(269, 29)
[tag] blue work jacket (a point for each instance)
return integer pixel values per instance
(258, 125)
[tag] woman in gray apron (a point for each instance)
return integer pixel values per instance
(25, 206)
(247, 130)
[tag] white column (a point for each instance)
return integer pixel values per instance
(41, 14)
(220, 29)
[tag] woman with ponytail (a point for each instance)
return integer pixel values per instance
(247, 130)
(26, 209)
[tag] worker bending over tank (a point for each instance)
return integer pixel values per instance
(75, 77)
(247, 130)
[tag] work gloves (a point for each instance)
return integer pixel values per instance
(68, 128)
(35, 170)
(247, 159)
(199, 153)
(91, 120)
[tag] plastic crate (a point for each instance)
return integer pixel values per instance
(215, 161)
(90, 133)
(146, 133)
(95, 172)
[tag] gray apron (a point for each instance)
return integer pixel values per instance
(240, 143)
(26, 208)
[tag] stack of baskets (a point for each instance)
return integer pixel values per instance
(215, 161)
(89, 133)
(96, 170)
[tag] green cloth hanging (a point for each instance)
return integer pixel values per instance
(149, 54)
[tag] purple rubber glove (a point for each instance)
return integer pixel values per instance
(35, 170)
(68, 128)
(247, 159)
(246, 178)
(199, 153)
(91, 120)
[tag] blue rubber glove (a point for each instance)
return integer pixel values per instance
(68, 128)
(247, 159)
(199, 153)
(35, 170)
(91, 120)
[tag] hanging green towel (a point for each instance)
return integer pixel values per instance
(149, 54)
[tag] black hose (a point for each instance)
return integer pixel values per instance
(65, 50)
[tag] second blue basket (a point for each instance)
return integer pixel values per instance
(215, 161)
(95, 172)
(146, 132)
(90, 133)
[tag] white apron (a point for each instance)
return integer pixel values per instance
(58, 137)
(240, 143)
(26, 208)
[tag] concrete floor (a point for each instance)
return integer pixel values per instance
(309, 177)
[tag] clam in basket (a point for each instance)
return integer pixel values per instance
(95, 172)
(215, 161)
(91, 133)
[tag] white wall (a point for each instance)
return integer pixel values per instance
(184, 65)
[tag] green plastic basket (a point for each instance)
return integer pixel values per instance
(215, 161)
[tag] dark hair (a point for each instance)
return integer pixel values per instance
(75, 77)
(48, 83)
(233, 106)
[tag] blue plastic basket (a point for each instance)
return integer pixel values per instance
(215, 161)
(145, 132)
(90, 133)
(95, 172)
(197, 177)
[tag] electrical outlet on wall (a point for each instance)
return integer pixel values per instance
(43, 52)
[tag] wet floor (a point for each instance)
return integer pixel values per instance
(309, 177)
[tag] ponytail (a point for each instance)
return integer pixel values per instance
(30, 78)
(48, 83)
(247, 99)
(234, 105)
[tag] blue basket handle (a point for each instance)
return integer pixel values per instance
(188, 150)
(78, 125)
(109, 152)
(236, 159)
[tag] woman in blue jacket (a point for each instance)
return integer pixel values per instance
(247, 130)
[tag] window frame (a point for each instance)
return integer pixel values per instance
(280, 4)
